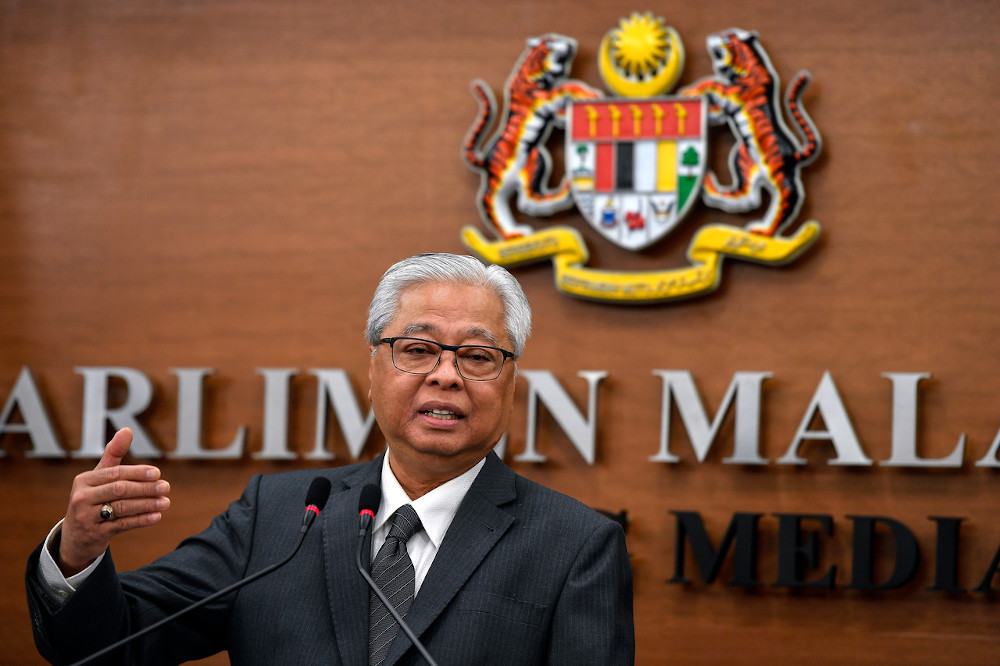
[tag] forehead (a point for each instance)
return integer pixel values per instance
(456, 311)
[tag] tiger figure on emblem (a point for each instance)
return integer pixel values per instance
(744, 93)
(514, 161)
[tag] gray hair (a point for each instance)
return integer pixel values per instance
(454, 269)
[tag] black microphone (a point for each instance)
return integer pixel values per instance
(316, 497)
(368, 504)
(371, 497)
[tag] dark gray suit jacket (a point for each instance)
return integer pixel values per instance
(524, 575)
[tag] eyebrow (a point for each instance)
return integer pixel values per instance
(473, 332)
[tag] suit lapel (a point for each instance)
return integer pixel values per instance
(346, 589)
(474, 532)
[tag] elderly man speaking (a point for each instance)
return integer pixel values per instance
(484, 566)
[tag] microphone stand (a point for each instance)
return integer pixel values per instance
(212, 597)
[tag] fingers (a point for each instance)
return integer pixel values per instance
(132, 491)
(116, 449)
(109, 469)
(131, 501)
(131, 514)
(97, 491)
(137, 496)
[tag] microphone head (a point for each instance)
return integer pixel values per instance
(371, 497)
(319, 493)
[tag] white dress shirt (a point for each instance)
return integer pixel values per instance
(436, 510)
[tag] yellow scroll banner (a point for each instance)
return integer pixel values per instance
(710, 246)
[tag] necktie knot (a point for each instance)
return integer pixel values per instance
(405, 523)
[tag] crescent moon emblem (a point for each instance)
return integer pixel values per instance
(659, 84)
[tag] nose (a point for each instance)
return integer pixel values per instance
(445, 373)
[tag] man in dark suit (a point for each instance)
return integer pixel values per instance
(498, 570)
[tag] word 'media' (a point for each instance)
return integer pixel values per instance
(798, 550)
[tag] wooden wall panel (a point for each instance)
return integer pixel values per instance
(221, 184)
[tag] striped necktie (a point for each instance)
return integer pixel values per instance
(393, 572)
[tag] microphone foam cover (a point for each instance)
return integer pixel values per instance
(371, 497)
(319, 492)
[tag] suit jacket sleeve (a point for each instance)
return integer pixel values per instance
(109, 606)
(592, 622)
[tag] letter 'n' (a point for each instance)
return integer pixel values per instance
(742, 529)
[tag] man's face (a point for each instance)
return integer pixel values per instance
(441, 422)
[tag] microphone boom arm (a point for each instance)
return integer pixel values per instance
(212, 597)
(316, 499)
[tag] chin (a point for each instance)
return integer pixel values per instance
(443, 450)
(446, 447)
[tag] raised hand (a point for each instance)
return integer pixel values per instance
(110, 499)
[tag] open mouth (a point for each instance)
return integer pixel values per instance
(442, 414)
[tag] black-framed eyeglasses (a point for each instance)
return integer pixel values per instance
(478, 363)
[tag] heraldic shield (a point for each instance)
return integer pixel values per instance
(636, 165)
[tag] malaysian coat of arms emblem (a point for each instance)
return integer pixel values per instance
(636, 161)
(635, 166)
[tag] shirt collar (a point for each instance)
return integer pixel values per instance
(436, 509)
